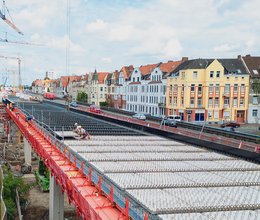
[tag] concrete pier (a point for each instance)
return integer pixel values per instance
(27, 152)
(56, 203)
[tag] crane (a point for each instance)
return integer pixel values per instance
(5, 40)
(10, 23)
(19, 68)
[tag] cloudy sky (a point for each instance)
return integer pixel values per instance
(107, 34)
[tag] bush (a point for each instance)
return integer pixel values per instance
(104, 104)
(11, 183)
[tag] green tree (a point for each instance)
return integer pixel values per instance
(255, 85)
(82, 96)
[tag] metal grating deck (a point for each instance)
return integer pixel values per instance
(174, 180)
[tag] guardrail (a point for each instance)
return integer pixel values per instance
(218, 131)
(2, 204)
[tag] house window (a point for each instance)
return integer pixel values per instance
(243, 88)
(254, 112)
(217, 88)
(210, 114)
(235, 102)
(210, 88)
(133, 79)
(211, 75)
(235, 87)
(255, 100)
(216, 114)
(182, 87)
(216, 102)
(195, 74)
(210, 102)
(226, 102)
(175, 101)
(200, 89)
(192, 88)
(227, 88)
(175, 89)
(137, 79)
(170, 100)
(226, 114)
(242, 102)
(218, 74)
(182, 101)
(101, 89)
(192, 102)
(170, 88)
(183, 75)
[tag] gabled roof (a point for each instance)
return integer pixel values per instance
(37, 82)
(127, 71)
(230, 65)
(253, 65)
(100, 77)
(233, 66)
(147, 69)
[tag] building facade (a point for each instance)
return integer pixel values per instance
(252, 65)
(210, 90)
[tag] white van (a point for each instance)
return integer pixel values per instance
(174, 117)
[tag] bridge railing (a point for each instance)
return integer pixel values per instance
(136, 210)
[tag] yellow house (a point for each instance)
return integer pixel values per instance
(209, 90)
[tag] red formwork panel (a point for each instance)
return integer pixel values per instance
(89, 200)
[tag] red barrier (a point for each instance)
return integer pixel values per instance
(88, 199)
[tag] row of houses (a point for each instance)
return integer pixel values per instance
(209, 90)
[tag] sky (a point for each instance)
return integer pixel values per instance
(108, 34)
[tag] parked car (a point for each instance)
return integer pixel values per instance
(231, 129)
(174, 117)
(139, 116)
(232, 124)
(95, 109)
(169, 121)
(74, 104)
(49, 95)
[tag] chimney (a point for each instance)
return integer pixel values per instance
(184, 59)
(239, 57)
(248, 55)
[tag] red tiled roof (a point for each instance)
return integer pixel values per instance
(127, 71)
(147, 69)
(169, 66)
(101, 77)
(37, 82)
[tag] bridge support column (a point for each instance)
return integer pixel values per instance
(56, 203)
(27, 152)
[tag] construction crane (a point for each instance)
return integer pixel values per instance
(19, 69)
(5, 40)
(10, 23)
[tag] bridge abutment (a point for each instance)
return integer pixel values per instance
(56, 202)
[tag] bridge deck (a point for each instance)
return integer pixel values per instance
(168, 177)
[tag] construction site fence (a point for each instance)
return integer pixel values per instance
(3, 215)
